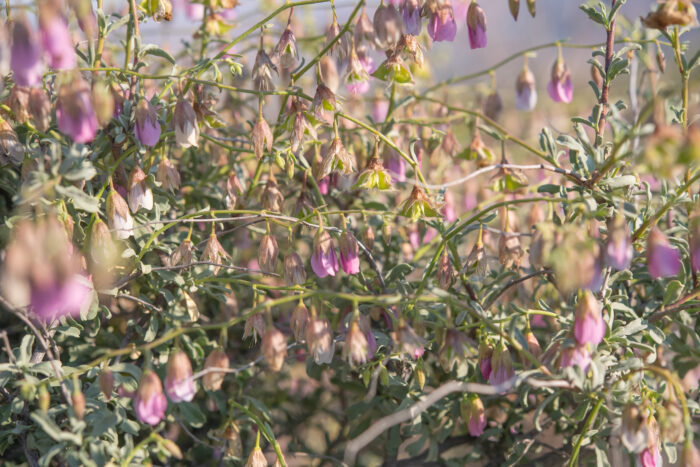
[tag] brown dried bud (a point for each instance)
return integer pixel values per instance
(510, 252)
(40, 108)
(364, 31)
(286, 49)
(294, 272)
(106, 382)
(233, 189)
(232, 435)
(262, 137)
(182, 255)
(168, 175)
(319, 341)
(341, 47)
(267, 253)
(299, 321)
(514, 6)
(672, 13)
(324, 105)
(185, 124)
(262, 72)
(368, 237)
(254, 327)
(18, 101)
(214, 252)
(445, 271)
(216, 359)
(274, 348)
(256, 458)
(328, 73)
(272, 197)
(336, 159)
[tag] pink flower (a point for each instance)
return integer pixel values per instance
(618, 250)
(501, 366)
(649, 458)
(349, 253)
(380, 108)
(150, 402)
(589, 327)
(473, 413)
(476, 26)
(663, 260)
(324, 185)
(25, 55)
(576, 356)
(323, 260)
(179, 384)
(396, 165)
(57, 42)
(560, 87)
(74, 112)
(53, 301)
(194, 11)
(358, 83)
(442, 26)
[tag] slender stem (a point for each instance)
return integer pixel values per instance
(573, 461)
(609, 50)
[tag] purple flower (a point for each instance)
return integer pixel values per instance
(74, 112)
(525, 92)
(25, 55)
(150, 402)
(576, 356)
(501, 366)
(560, 87)
(55, 300)
(323, 259)
(410, 11)
(396, 165)
(349, 253)
(57, 42)
(442, 26)
(589, 327)
(662, 259)
(473, 413)
(146, 126)
(380, 107)
(618, 251)
(179, 384)
(476, 26)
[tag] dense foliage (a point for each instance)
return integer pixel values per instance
(290, 243)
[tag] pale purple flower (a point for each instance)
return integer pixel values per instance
(560, 87)
(150, 402)
(396, 165)
(25, 55)
(57, 42)
(589, 327)
(410, 12)
(663, 260)
(501, 366)
(74, 112)
(146, 126)
(179, 385)
(576, 356)
(349, 253)
(55, 300)
(619, 253)
(441, 25)
(380, 108)
(476, 26)
(323, 260)
(475, 416)
(194, 11)
(525, 92)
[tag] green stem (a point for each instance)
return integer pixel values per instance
(579, 442)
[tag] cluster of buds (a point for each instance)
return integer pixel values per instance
(42, 271)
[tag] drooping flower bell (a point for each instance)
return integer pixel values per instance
(268, 251)
(341, 46)
(576, 356)
(262, 72)
(179, 385)
(140, 194)
(323, 260)
(476, 26)
(118, 216)
(319, 340)
(75, 114)
(355, 349)
(410, 11)
(39, 108)
(183, 254)
(408, 341)
(387, 25)
(560, 87)
(335, 159)
(618, 249)
(56, 37)
(185, 124)
(216, 359)
(262, 137)
(214, 252)
(525, 92)
(146, 126)
(286, 51)
(150, 402)
(299, 321)
(25, 55)
(445, 271)
(472, 410)
(168, 175)
(663, 260)
(294, 272)
(501, 365)
(364, 30)
(349, 253)
(441, 24)
(323, 104)
(274, 348)
(589, 327)
(360, 65)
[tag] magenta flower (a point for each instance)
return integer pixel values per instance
(25, 55)
(501, 366)
(473, 413)
(323, 260)
(74, 112)
(150, 402)
(589, 327)
(179, 384)
(53, 301)
(441, 25)
(576, 356)
(649, 458)
(410, 11)
(663, 260)
(57, 42)
(349, 253)
(146, 126)
(476, 26)
(560, 88)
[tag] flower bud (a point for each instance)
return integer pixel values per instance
(323, 259)
(663, 260)
(254, 327)
(324, 104)
(75, 114)
(216, 359)
(364, 31)
(531, 7)
(25, 55)
(168, 175)
(272, 197)
(319, 341)
(442, 25)
(510, 252)
(146, 126)
(286, 49)
(493, 106)
(341, 46)
(262, 137)
(299, 321)
(262, 72)
(118, 216)
(214, 252)
(349, 253)
(502, 365)
(150, 402)
(618, 250)
(589, 327)
(106, 383)
(256, 458)
(44, 399)
(476, 26)
(39, 108)
(267, 253)
(233, 189)
(387, 26)
(514, 6)
(485, 354)
(140, 194)
(328, 73)
(355, 349)
(445, 271)
(78, 399)
(179, 385)
(185, 124)
(410, 12)
(533, 345)
(525, 92)
(274, 348)
(560, 87)
(472, 409)
(294, 271)
(368, 237)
